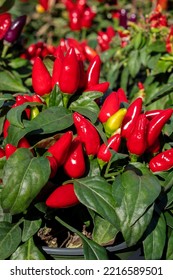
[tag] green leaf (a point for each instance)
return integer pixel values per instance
(27, 251)
(157, 46)
(165, 90)
(96, 194)
(124, 78)
(168, 181)
(92, 250)
(155, 241)
(5, 97)
(15, 114)
(4, 217)
(6, 5)
(139, 193)
(169, 253)
(86, 106)
(50, 120)
(55, 97)
(10, 238)
(132, 234)
(9, 82)
(24, 177)
(103, 233)
(30, 228)
(162, 66)
(134, 63)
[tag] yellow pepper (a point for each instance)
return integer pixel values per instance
(114, 122)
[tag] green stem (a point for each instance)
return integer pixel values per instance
(5, 50)
(65, 98)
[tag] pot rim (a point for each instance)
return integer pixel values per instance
(79, 251)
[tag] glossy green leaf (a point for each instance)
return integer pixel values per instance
(103, 233)
(92, 250)
(9, 82)
(139, 192)
(86, 106)
(55, 97)
(24, 177)
(155, 241)
(169, 253)
(30, 228)
(96, 194)
(10, 238)
(50, 120)
(5, 97)
(27, 251)
(132, 234)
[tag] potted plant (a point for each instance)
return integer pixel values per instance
(86, 171)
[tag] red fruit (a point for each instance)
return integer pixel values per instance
(87, 133)
(5, 23)
(63, 197)
(74, 165)
(41, 79)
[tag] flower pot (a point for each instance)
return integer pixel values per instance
(120, 251)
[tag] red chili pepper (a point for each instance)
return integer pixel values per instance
(87, 17)
(102, 87)
(87, 133)
(44, 4)
(41, 79)
(62, 197)
(82, 82)
(9, 150)
(122, 95)
(110, 106)
(162, 161)
(75, 19)
(53, 165)
(155, 148)
(2, 153)
(93, 72)
(61, 147)
(136, 142)
(89, 52)
(57, 66)
(70, 73)
(23, 143)
(152, 113)
(5, 128)
(103, 40)
(74, 165)
(156, 124)
(5, 23)
(114, 142)
(129, 121)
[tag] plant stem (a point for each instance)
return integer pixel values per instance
(4, 50)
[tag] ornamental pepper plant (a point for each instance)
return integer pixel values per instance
(86, 133)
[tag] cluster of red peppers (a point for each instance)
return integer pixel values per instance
(68, 73)
(81, 14)
(140, 130)
(40, 49)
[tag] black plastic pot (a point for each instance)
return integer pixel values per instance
(120, 251)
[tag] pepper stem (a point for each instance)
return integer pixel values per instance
(65, 98)
(133, 157)
(5, 50)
